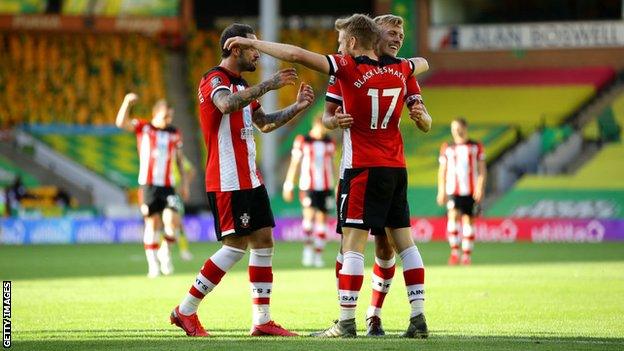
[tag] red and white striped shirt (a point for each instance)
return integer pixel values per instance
(317, 170)
(231, 161)
(157, 149)
(462, 169)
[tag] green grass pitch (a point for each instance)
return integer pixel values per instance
(515, 297)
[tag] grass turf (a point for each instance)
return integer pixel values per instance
(515, 297)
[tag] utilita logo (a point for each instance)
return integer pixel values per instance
(591, 232)
(505, 231)
(422, 230)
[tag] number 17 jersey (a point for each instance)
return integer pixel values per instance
(373, 94)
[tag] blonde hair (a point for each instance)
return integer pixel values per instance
(388, 19)
(361, 27)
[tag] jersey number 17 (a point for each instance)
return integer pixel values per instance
(374, 94)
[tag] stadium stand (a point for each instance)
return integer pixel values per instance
(29, 198)
(112, 155)
(9, 171)
(596, 190)
(75, 78)
(530, 98)
(608, 126)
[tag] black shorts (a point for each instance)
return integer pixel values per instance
(373, 231)
(318, 200)
(240, 212)
(154, 199)
(463, 204)
(374, 197)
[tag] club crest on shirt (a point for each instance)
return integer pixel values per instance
(215, 82)
(245, 220)
(343, 62)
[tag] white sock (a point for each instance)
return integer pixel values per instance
(261, 281)
(351, 275)
(223, 259)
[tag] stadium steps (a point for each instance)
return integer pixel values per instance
(567, 93)
(180, 96)
(595, 190)
(9, 171)
(570, 155)
(23, 160)
(604, 99)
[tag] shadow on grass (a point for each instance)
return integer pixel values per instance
(232, 340)
(59, 261)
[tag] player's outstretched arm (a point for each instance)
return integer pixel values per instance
(284, 52)
(421, 65)
(228, 102)
(268, 122)
(123, 121)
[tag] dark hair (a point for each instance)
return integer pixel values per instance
(461, 120)
(233, 30)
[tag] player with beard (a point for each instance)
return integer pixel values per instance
(238, 200)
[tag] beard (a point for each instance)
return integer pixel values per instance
(245, 65)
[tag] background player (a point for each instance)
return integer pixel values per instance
(159, 145)
(237, 197)
(315, 152)
(371, 146)
(461, 185)
(391, 41)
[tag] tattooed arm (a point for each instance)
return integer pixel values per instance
(228, 102)
(268, 122)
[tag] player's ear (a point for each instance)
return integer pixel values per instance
(352, 42)
(236, 51)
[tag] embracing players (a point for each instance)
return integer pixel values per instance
(391, 41)
(374, 194)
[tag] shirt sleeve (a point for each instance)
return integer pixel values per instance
(410, 67)
(212, 83)
(339, 64)
(138, 124)
(255, 105)
(334, 93)
(480, 152)
(413, 92)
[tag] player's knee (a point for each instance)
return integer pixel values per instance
(384, 251)
(236, 242)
